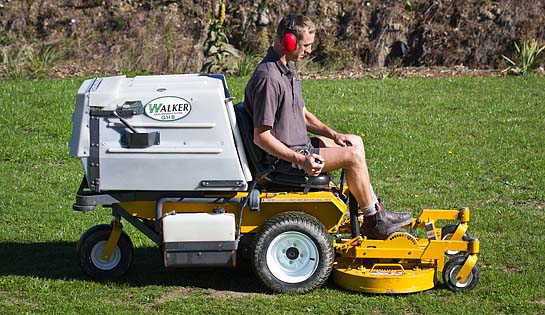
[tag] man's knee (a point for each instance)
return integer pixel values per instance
(357, 142)
(356, 155)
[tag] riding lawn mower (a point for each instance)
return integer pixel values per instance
(174, 157)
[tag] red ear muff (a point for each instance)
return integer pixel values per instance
(289, 42)
(289, 39)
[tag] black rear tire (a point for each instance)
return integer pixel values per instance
(90, 248)
(293, 252)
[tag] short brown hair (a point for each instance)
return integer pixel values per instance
(302, 23)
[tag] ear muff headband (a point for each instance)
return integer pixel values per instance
(289, 39)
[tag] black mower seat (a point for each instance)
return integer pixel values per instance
(283, 176)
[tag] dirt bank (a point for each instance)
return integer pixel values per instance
(168, 36)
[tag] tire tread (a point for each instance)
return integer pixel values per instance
(300, 222)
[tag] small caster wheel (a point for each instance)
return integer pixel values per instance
(452, 267)
(91, 246)
(446, 234)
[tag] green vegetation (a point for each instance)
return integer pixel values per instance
(246, 64)
(431, 143)
(31, 62)
(527, 58)
(220, 56)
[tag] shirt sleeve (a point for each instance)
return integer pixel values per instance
(265, 102)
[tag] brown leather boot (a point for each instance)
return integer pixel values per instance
(398, 218)
(395, 218)
(380, 225)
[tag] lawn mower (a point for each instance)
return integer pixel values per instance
(173, 156)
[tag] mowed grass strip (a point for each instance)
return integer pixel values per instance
(430, 143)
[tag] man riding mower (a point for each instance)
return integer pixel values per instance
(175, 158)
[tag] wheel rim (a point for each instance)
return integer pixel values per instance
(96, 257)
(292, 257)
(456, 283)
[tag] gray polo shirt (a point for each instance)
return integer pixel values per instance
(273, 98)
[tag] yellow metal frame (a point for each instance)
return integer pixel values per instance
(109, 248)
(324, 205)
(464, 272)
(400, 264)
(424, 257)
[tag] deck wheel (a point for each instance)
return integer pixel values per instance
(91, 246)
(452, 267)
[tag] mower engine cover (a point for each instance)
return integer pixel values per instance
(158, 133)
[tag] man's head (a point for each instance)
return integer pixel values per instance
(304, 31)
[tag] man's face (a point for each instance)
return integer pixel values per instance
(304, 46)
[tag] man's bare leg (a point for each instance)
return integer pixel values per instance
(379, 224)
(352, 160)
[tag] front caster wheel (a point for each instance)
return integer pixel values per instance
(446, 234)
(452, 267)
(293, 252)
(91, 246)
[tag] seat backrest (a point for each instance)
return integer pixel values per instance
(255, 154)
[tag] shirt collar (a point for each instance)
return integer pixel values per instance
(288, 70)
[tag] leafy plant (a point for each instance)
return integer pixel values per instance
(220, 56)
(247, 63)
(14, 64)
(527, 58)
(41, 61)
(6, 41)
(30, 63)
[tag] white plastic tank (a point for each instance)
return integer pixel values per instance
(199, 227)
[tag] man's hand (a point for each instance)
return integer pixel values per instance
(313, 164)
(348, 140)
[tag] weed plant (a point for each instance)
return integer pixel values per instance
(430, 143)
(31, 62)
(247, 63)
(220, 56)
(527, 58)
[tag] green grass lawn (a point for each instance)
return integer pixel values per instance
(430, 143)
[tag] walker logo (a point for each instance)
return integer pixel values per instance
(167, 108)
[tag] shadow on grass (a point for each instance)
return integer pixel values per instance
(58, 260)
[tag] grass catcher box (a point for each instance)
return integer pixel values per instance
(158, 133)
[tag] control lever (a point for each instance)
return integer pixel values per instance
(137, 139)
(124, 122)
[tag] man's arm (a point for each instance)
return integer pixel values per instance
(317, 127)
(266, 141)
